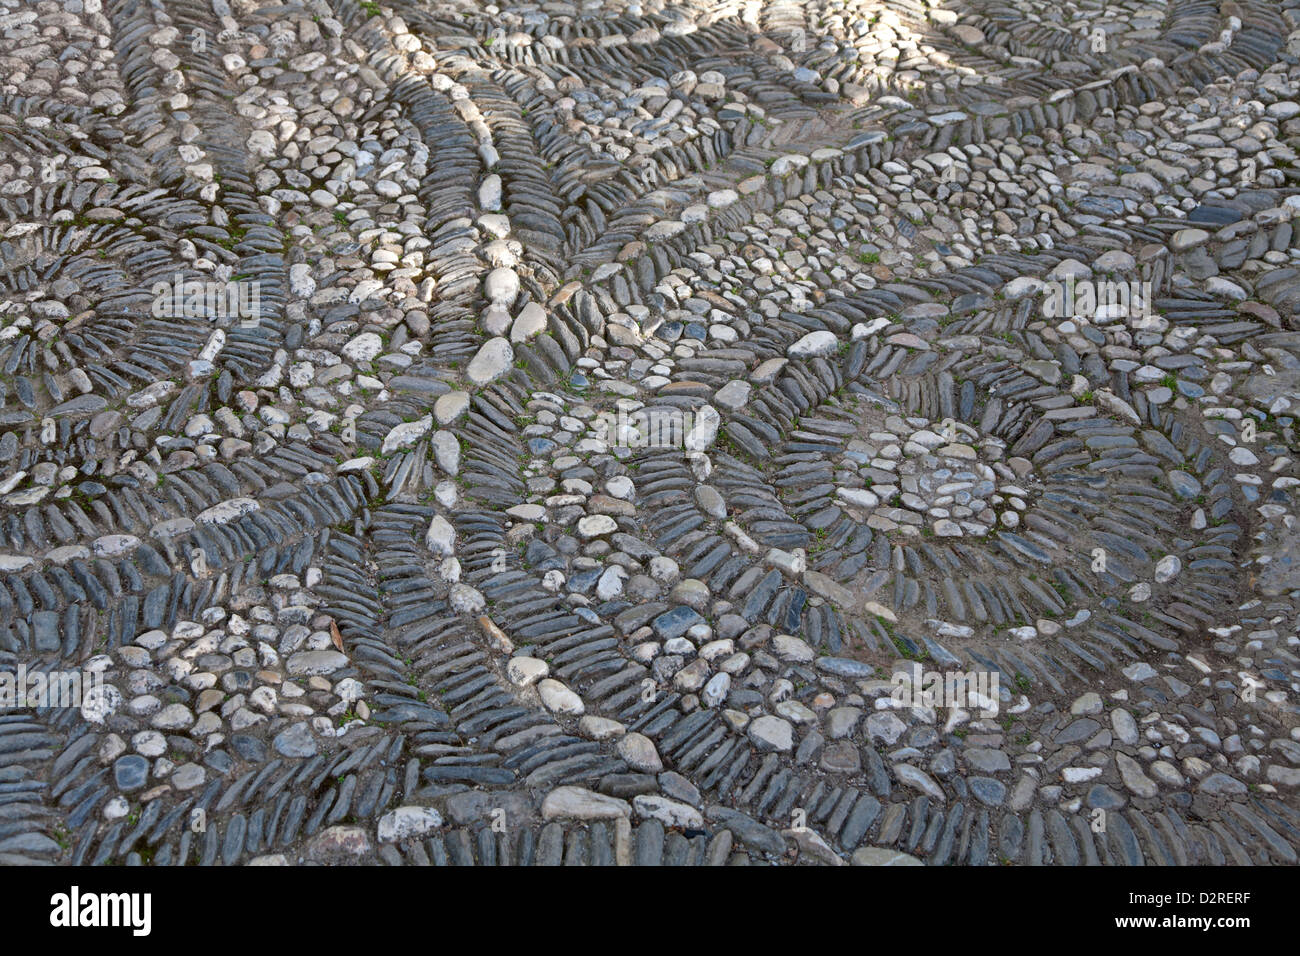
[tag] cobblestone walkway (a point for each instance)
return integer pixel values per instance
(549, 433)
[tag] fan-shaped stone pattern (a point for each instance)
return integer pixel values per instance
(631, 390)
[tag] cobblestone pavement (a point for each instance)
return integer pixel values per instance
(568, 432)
